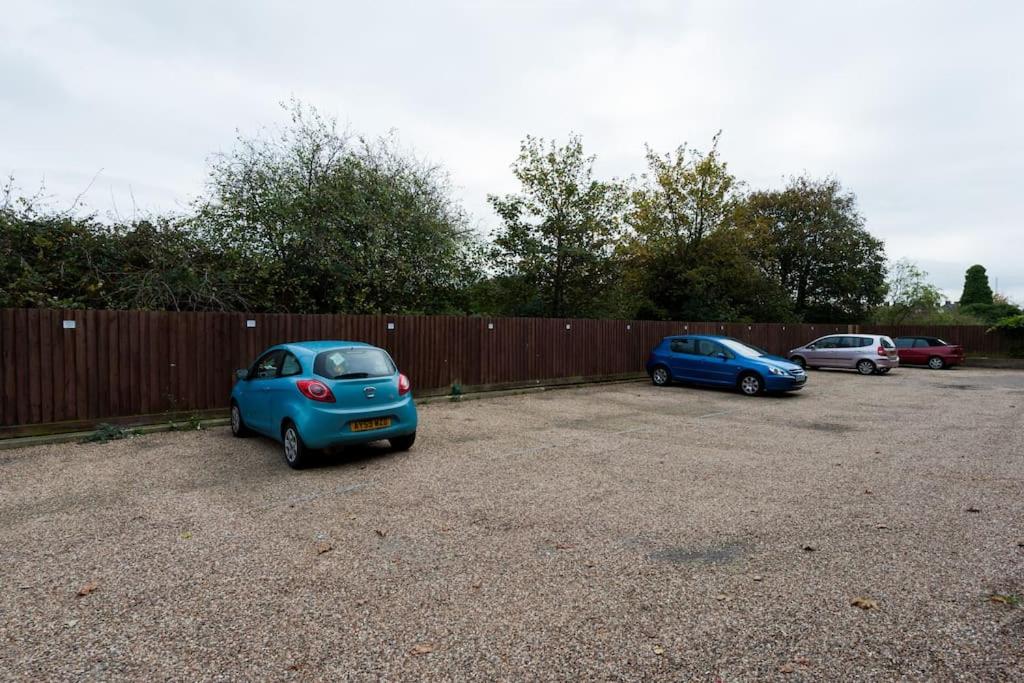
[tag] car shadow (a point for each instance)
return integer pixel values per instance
(676, 384)
(357, 454)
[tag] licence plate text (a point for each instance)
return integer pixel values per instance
(367, 425)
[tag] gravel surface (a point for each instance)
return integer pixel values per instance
(617, 532)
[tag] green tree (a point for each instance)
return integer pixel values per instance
(976, 287)
(910, 295)
(553, 250)
(56, 259)
(683, 258)
(321, 221)
(810, 240)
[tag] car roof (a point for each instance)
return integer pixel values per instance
(697, 336)
(320, 345)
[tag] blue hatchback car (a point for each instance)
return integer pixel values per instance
(722, 361)
(311, 395)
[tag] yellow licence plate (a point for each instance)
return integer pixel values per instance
(367, 425)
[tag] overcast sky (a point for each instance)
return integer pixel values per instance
(918, 107)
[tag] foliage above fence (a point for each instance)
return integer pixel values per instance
(75, 365)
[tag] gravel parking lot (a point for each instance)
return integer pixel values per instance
(610, 532)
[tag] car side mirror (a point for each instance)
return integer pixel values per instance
(241, 374)
(811, 347)
(720, 356)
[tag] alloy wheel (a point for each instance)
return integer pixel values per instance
(660, 376)
(236, 419)
(750, 385)
(291, 444)
(865, 367)
(935, 363)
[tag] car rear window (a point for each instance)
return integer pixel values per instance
(886, 342)
(353, 362)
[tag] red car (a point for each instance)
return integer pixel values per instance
(930, 351)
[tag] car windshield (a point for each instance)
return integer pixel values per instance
(353, 363)
(741, 349)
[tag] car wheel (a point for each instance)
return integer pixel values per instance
(936, 363)
(866, 367)
(295, 453)
(661, 377)
(238, 427)
(403, 443)
(750, 384)
(799, 360)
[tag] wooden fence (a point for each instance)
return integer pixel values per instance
(78, 367)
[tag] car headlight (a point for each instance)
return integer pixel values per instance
(778, 371)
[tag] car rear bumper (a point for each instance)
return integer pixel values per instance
(322, 427)
(885, 362)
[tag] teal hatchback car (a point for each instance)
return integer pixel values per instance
(312, 395)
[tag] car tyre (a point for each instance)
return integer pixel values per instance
(884, 371)
(750, 384)
(238, 428)
(296, 455)
(661, 377)
(799, 360)
(936, 363)
(403, 443)
(866, 367)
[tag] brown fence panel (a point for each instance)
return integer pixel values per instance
(72, 365)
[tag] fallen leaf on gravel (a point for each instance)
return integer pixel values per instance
(881, 526)
(185, 535)
(476, 585)
(24, 588)
(864, 603)
(421, 649)
(88, 588)
(658, 650)
(802, 661)
(1012, 600)
(973, 509)
(809, 548)
(867, 492)
(70, 623)
(787, 668)
(380, 533)
(323, 547)
(563, 546)
(757, 577)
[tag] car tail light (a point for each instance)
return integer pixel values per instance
(403, 385)
(881, 350)
(315, 390)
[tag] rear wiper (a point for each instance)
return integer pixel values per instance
(353, 375)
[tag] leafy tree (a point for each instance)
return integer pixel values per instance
(976, 287)
(553, 250)
(910, 295)
(57, 260)
(810, 240)
(320, 221)
(683, 259)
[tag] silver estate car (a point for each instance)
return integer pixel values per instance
(867, 353)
